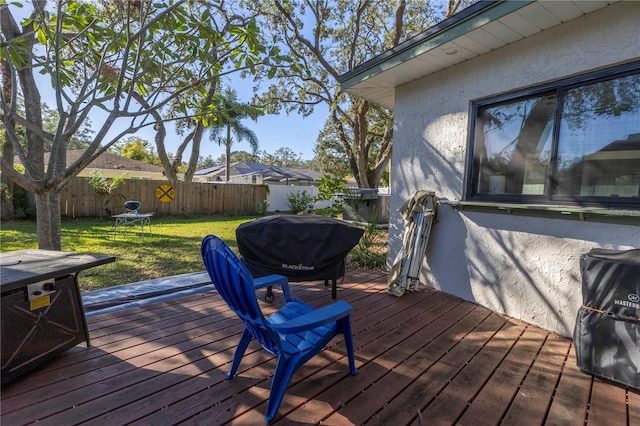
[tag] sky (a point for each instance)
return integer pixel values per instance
(273, 131)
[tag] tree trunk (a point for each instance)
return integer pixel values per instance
(360, 133)
(195, 152)
(533, 126)
(7, 210)
(227, 160)
(48, 219)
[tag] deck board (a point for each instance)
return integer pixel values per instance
(604, 407)
(424, 358)
(634, 408)
(448, 406)
(534, 395)
(572, 394)
(417, 379)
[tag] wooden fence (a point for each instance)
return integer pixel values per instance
(79, 198)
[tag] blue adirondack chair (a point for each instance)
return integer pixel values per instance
(295, 333)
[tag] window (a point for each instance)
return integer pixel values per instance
(572, 142)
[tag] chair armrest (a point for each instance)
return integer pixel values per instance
(271, 280)
(314, 319)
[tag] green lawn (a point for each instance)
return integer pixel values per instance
(173, 249)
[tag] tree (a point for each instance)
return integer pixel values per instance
(247, 157)
(236, 156)
(284, 157)
(129, 60)
(137, 149)
(207, 162)
(228, 123)
(326, 40)
(329, 153)
(80, 140)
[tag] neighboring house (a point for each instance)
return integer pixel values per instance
(243, 172)
(112, 165)
(524, 117)
(282, 181)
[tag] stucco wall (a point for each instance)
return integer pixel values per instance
(524, 267)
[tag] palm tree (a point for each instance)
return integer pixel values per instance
(228, 123)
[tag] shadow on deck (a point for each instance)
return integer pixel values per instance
(427, 357)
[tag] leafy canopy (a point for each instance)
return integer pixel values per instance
(132, 60)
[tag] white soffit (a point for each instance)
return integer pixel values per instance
(491, 28)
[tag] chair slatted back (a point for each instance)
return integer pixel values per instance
(234, 282)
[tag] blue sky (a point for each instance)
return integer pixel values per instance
(274, 131)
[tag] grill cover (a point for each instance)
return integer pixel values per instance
(300, 247)
(607, 333)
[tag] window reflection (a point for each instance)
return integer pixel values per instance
(515, 146)
(573, 142)
(599, 144)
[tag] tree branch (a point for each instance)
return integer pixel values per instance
(315, 50)
(398, 23)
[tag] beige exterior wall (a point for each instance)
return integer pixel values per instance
(125, 174)
(521, 266)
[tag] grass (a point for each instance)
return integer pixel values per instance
(174, 247)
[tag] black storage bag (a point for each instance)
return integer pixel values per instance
(300, 247)
(607, 331)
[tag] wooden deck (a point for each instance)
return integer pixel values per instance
(424, 358)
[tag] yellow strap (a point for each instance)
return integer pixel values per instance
(589, 308)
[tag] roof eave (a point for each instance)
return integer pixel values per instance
(469, 19)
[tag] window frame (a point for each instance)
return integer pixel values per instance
(558, 89)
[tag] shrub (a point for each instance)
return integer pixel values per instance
(371, 250)
(102, 185)
(23, 204)
(299, 201)
(328, 186)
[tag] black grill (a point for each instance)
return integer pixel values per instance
(300, 247)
